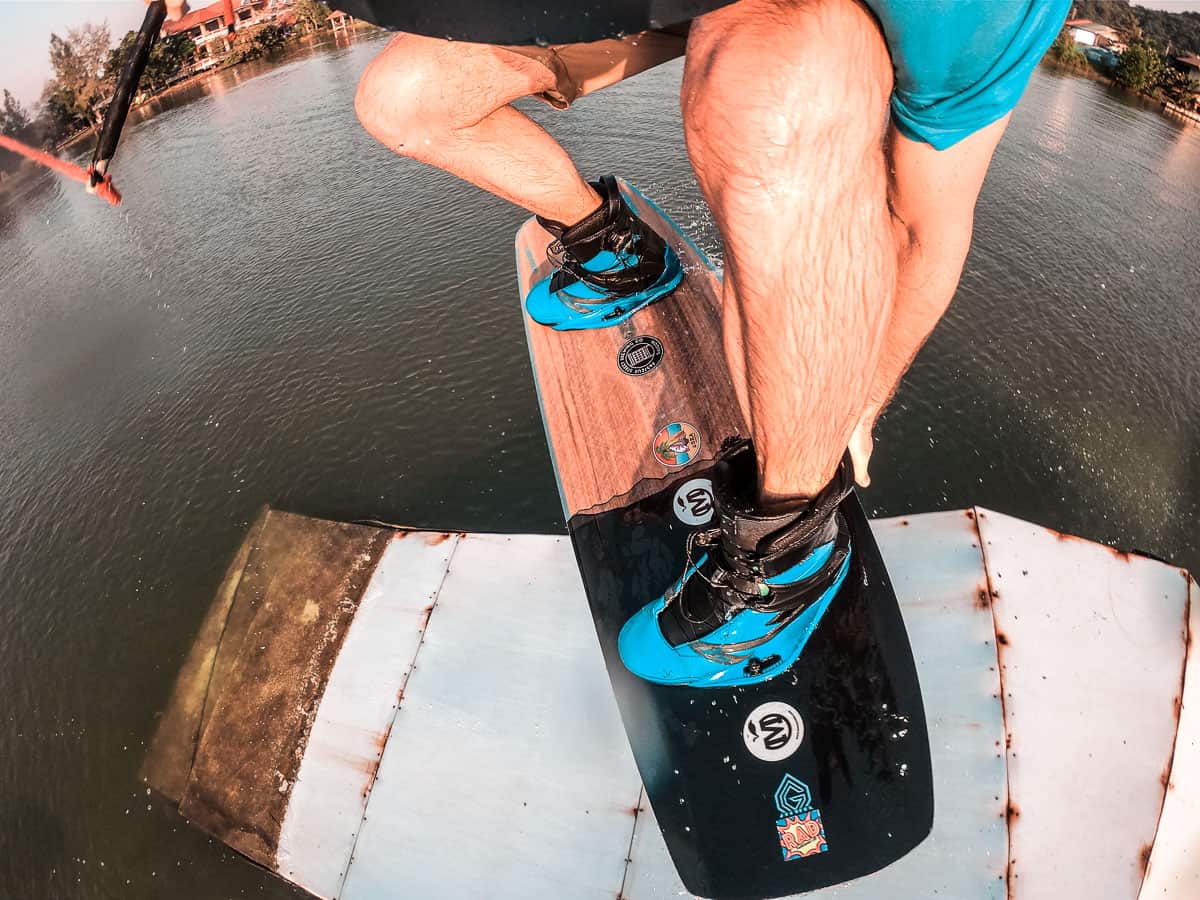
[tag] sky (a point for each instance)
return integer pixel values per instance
(26, 25)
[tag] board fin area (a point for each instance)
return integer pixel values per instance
(811, 778)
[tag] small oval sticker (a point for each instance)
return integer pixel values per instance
(640, 355)
(773, 731)
(693, 502)
(677, 444)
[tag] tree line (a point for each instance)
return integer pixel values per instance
(85, 66)
(1176, 33)
(1154, 38)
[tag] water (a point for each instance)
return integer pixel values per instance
(283, 313)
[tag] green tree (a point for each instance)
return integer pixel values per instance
(1178, 32)
(14, 120)
(270, 37)
(312, 15)
(79, 63)
(168, 58)
(14, 123)
(1141, 67)
(1115, 13)
(1065, 50)
(251, 43)
(60, 112)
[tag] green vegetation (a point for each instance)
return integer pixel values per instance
(1178, 33)
(251, 43)
(1066, 52)
(1154, 37)
(16, 122)
(168, 60)
(74, 95)
(86, 68)
(311, 15)
(1141, 67)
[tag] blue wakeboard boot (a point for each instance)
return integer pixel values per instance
(754, 588)
(607, 267)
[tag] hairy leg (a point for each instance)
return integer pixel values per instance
(446, 103)
(785, 105)
(933, 196)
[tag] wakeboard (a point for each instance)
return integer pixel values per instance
(814, 777)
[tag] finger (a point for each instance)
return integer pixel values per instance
(861, 447)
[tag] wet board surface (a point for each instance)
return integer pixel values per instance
(736, 826)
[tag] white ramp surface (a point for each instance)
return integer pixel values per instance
(1175, 863)
(937, 571)
(467, 743)
(356, 712)
(507, 773)
(1092, 648)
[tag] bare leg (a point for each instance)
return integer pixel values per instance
(784, 111)
(933, 197)
(446, 103)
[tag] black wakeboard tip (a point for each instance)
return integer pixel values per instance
(860, 776)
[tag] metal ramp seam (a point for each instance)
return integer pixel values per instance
(1008, 807)
(637, 815)
(396, 712)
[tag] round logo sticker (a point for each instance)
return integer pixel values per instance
(694, 502)
(773, 731)
(640, 355)
(677, 444)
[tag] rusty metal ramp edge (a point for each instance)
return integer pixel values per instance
(375, 713)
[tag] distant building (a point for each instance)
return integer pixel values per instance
(340, 21)
(1093, 34)
(1189, 66)
(209, 26)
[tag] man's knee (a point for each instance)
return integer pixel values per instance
(420, 90)
(770, 79)
(397, 100)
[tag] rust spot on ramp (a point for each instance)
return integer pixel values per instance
(1122, 555)
(435, 538)
(1001, 638)
(970, 514)
(1144, 858)
(1011, 812)
(372, 765)
(425, 614)
(904, 522)
(982, 599)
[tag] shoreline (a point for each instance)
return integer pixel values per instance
(15, 182)
(1159, 103)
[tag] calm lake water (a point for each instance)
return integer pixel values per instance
(282, 313)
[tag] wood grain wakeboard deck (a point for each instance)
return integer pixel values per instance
(858, 751)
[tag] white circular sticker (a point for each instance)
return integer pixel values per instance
(694, 502)
(773, 731)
